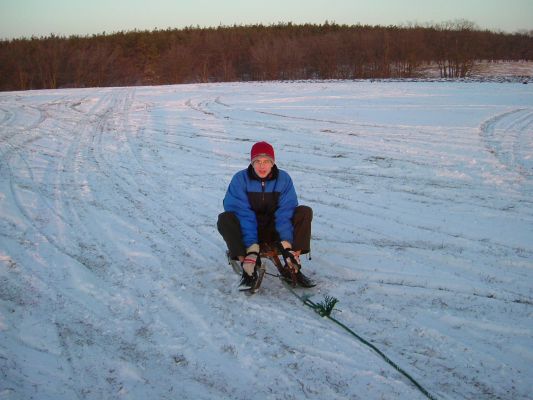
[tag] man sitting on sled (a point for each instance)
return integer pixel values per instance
(262, 212)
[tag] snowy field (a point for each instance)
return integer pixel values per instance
(114, 282)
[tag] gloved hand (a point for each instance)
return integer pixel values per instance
(250, 260)
(292, 258)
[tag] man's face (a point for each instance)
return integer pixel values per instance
(262, 166)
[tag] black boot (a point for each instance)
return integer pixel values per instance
(303, 280)
(251, 283)
(293, 265)
(248, 282)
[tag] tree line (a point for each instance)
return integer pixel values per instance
(254, 52)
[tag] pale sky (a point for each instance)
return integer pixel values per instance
(25, 18)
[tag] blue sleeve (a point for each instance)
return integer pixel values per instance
(288, 201)
(236, 200)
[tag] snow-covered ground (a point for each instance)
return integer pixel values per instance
(114, 282)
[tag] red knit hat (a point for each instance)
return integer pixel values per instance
(262, 149)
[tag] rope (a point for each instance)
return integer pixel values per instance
(324, 310)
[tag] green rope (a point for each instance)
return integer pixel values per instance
(325, 308)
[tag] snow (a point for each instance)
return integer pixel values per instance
(113, 277)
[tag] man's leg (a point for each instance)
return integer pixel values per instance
(301, 221)
(229, 227)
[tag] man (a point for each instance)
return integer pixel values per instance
(261, 206)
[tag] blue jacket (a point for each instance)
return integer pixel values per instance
(260, 203)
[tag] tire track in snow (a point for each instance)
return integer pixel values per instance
(85, 156)
(98, 156)
(24, 181)
(508, 137)
(7, 117)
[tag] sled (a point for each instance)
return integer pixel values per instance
(271, 252)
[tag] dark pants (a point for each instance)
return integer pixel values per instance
(229, 227)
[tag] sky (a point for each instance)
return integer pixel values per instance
(26, 18)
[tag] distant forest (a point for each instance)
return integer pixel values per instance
(254, 52)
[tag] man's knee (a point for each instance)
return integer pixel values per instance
(227, 219)
(303, 213)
